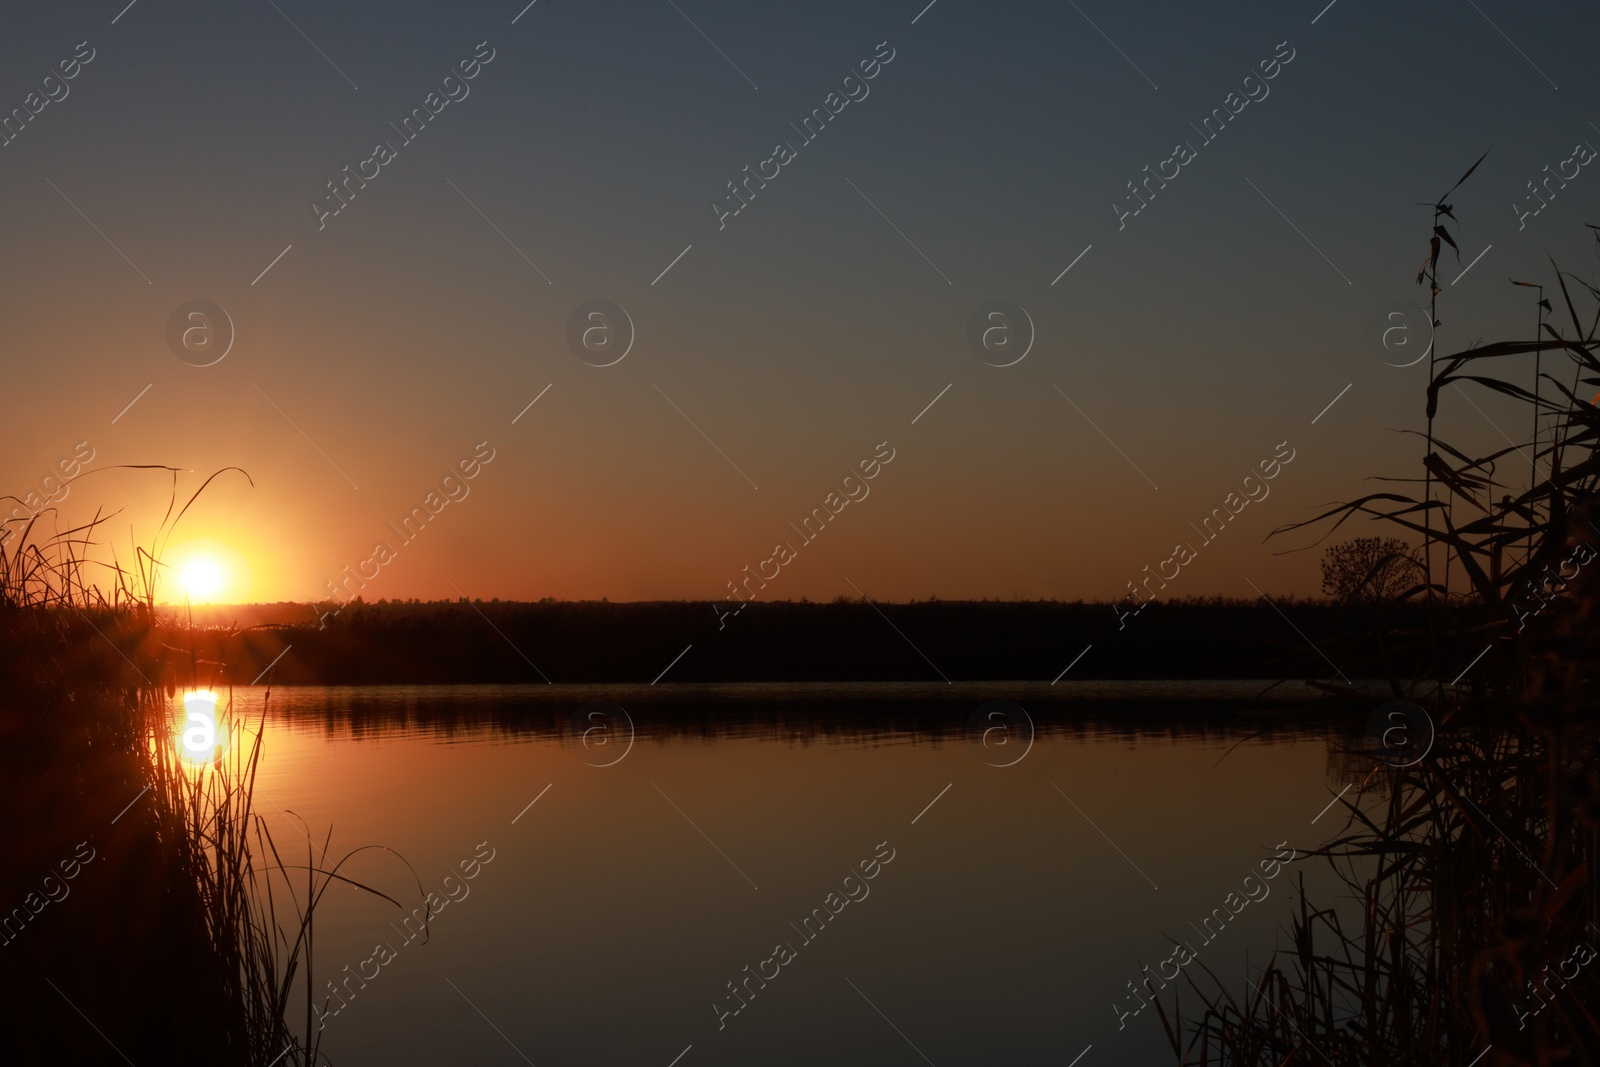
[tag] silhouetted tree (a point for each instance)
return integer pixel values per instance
(1369, 569)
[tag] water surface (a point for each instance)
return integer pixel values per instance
(1020, 901)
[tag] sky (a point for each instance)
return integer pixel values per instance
(438, 316)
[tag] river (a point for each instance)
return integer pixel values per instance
(790, 874)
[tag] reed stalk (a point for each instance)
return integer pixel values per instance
(1474, 869)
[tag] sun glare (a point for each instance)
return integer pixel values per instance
(202, 578)
(208, 570)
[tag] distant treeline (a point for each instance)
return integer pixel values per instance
(595, 641)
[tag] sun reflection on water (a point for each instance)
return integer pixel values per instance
(201, 736)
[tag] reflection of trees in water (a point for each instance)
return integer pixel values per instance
(821, 712)
(1351, 762)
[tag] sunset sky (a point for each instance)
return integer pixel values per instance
(777, 352)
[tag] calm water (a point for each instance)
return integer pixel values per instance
(1018, 904)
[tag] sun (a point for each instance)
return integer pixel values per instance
(205, 571)
(202, 578)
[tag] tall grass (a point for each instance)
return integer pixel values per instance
(1473, 889)
(258, 905)
(81, 643)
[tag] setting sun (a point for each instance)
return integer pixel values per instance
(207, 571)
(202, 579)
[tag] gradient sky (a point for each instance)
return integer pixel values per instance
(1214, 326)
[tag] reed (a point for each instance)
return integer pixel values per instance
(258, 906)
(81, 636)
(1472, 905)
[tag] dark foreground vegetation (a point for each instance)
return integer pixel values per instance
(122, 940)
(139, 897)
(1470, 927)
